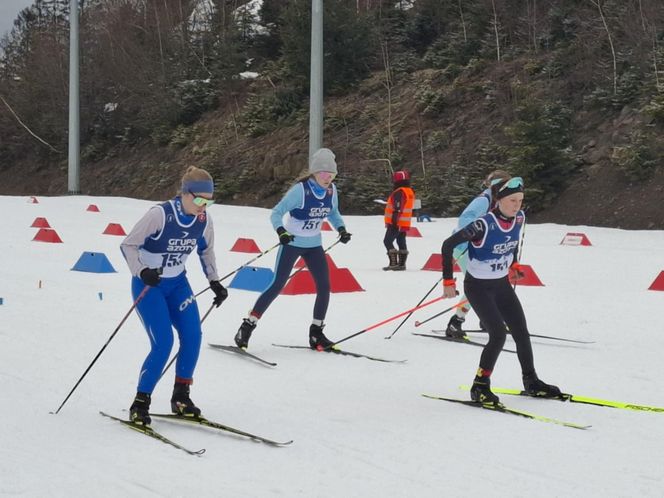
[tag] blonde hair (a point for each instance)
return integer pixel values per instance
(195, 174)
(497, 174)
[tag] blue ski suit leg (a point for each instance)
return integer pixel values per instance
(169, 304)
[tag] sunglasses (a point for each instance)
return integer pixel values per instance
(514, 182)
(201, 201)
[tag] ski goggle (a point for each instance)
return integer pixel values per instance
(326, 175)
(201, 201)
(514, 182)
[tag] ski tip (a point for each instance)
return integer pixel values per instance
(269, 442)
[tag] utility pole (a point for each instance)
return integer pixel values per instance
(316, 79)
(74, 106)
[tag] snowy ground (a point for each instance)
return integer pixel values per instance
(361, 428)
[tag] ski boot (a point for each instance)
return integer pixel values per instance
(139, 412)
(535, 387)
(244, 333)
(393, 264)
(317, 339)
(181, 403)
(454, 328)
(480, 391)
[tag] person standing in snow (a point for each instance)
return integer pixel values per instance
(156, 250)
(398, 213)
(297, 219)
(492, 250)
(478, 207)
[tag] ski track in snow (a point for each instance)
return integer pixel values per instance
(360, 427)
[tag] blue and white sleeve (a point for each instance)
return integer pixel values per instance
(478, 207)
(335, 216)
(206, 251)
(293, 199)
(151, 224)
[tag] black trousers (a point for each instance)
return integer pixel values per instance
(499, 308)
(393, 233)
(316, 262)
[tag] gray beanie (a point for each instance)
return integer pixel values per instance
(323, 160)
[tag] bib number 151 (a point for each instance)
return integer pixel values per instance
(311, 224)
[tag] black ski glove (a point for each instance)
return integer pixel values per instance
(220, 292)
(151, 276)
(284, 237)
(344, 236)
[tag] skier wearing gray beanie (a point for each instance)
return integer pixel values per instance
(323, 160)
(297, 218)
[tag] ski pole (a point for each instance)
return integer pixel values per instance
(523, 235)
(389, 320)
(409, 314)
(326, 250)
(553, 337)
(425, 296)
(240, 267)
(211, 307)
(458, 305)
(138, 299)
(176, 354)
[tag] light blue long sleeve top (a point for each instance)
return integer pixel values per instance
(477, 208)
(294, 199)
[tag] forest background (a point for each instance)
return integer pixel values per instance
(568, 94)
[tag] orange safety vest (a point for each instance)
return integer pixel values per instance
(403, 221)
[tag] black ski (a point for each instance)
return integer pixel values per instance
(499, 407)
(149, 431)
(242, 352)
(341, 352)
(551, 337)
(216, 425)
(460, 340)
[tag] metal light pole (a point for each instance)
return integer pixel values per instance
(316, 79)
(74, 109)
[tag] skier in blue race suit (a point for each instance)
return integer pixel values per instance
(492, 250)
(478, 207)
(156, 250)
(297, 219)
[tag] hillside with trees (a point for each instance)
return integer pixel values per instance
(568, 94)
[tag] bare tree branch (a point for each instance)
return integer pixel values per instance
(598, 3)
(388, 85)
(419, 131)
(643, 20)
(463, 23)
(495, 29)
(25, 126)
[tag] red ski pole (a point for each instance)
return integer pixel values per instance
(387, 320)
(458, 305)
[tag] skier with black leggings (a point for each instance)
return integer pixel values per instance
(493, 250)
